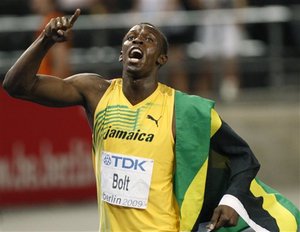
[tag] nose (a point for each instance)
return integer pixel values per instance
(138, 40)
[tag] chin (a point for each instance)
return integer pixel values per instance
(133, 68)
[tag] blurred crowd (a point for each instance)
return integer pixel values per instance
(219, 69)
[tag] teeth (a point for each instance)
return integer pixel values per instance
(136, 50)
(134, 60)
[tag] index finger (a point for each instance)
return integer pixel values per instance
(74, 17)
(214, 220)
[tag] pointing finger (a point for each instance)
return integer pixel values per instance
(74, 17)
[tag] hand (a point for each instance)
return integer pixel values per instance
(223, 216)
(58, 28)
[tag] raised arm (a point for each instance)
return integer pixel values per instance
(22, 80)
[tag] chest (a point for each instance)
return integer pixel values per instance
(145, 127)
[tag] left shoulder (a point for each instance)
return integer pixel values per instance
(187, 101)
(216, 122)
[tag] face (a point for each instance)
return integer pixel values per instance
(141, 50)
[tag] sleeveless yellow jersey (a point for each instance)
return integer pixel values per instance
(134, 161)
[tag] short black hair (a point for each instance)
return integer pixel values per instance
(165, 43)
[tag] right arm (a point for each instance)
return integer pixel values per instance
(22, 80)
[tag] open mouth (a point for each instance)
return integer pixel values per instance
(135, 55)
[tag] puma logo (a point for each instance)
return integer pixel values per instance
(153, 119)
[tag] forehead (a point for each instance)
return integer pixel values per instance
(146, 29)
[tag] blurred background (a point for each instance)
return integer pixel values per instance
(245, 54)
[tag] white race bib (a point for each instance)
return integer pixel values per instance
(125, 180)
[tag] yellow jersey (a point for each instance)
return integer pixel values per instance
(126, 138)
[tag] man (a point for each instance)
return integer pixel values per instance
(161, 157)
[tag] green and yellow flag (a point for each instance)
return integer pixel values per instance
(262, 208)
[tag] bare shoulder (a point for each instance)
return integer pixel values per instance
(88, 79)
(87, 82)
(91, 86)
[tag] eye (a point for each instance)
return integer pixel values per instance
(149, 39)
(130, 37)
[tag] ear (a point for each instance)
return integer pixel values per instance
(121, 57)
(162, 59)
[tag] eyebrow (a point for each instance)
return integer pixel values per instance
(153, 33)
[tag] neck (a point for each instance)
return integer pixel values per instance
(137, 90)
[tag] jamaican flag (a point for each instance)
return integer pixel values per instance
(199, 185)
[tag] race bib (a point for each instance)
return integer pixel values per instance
(125, 180)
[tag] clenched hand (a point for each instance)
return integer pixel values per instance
(58, 28)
